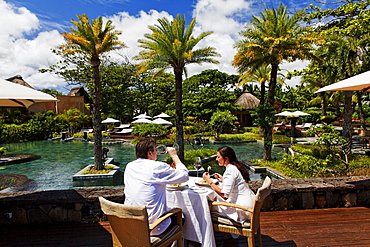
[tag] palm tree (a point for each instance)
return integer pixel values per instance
(93, 39)
(314, 79)
(261, 75)
(269, 40)
(170, 45)
(345, 57)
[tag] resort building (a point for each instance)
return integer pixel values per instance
(76, 98)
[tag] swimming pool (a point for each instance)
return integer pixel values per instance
(61, 160)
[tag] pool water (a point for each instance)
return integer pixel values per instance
(61, 160)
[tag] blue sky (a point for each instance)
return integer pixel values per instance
(61, 12)
(31, 28)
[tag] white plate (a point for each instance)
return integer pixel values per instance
(177, 187)
(199, 190)
(201, 182)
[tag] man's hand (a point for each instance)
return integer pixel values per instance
(173, 154)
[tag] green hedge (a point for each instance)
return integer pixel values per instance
(238, 137)
(149, 129)
(192, 155)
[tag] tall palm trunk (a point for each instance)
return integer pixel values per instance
(179, 116)
(262, 97)
(361, 113)
(98, 153)
(323, 103)
(347, 123)
(270, 102)
(262, 101)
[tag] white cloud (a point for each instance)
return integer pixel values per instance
(16, 21)
(225, 18)
(297, 65)
(20, 54)
(221, 16)
(223, 43)
(134, 28)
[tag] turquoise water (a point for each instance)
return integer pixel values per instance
(61, 160)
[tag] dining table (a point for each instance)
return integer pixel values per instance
(193, 200)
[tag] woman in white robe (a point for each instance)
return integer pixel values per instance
(233, 186)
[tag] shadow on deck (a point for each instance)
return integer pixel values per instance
(316, 227)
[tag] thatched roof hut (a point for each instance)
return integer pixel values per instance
(19, 80)
(247, 100)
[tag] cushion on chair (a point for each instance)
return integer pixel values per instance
(221, 219)
(264, 191)
(158, 240)
(113, 208)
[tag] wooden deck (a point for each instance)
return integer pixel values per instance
(317, 227)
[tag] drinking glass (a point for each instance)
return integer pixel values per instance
(198, 165)
(161, 149)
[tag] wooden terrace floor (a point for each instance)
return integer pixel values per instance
(316, 227)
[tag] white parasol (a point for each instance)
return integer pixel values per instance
(295, 113)
(360, 82)
(161, 121)
(162, 115)
(142, 120)
(15, 95)
(110, 120)
(300, 113)
(142, 116)
(284, 114)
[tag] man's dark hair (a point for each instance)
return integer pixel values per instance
(144, 146)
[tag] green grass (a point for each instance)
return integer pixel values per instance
(107, 169)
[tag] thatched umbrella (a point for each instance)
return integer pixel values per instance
(247, 100)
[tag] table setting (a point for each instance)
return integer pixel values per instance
(192, 197)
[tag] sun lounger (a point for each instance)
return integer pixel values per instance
(304, 126)
(124, 131)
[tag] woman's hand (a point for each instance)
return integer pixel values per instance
(218, 176)
(207, 178)
(214, 186)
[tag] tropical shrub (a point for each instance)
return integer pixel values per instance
(149, 129)
(254, 130)
(220, 120)
(13, 133)
(192, 155)
(238, 137)
(319, 151)
(2, 150)
(334, 143)
(307, 166)
(280, 139)
(89, 135)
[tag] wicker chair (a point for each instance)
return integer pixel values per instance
(130, 225)
(248, 228)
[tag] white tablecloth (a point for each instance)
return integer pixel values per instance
(198, 222)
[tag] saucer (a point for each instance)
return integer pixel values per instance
(199, 190)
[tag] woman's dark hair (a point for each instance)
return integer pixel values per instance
(228, 152)
(144, 146)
